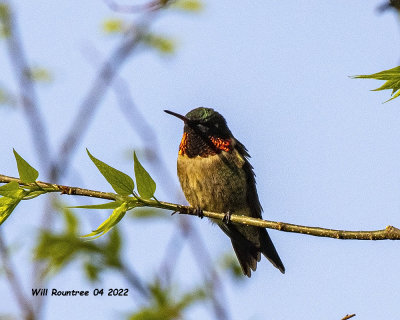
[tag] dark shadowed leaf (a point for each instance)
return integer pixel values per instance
(27, 173)
(120, 182)
(145, 184)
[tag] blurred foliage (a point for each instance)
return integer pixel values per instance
(162, 44)
(392, 77)
(5, 23)
(40, 74)
(114, 26)
(230, 263)
(166, 304)
(6, 98)
(58, 249)
(188, 5)
(149, 213)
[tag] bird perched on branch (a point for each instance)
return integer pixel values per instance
(215, 175)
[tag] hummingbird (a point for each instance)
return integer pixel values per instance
(215, 175)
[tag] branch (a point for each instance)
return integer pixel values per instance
(348, 316)
(26, 86)
(92, 100)
(389, 233)
(16, 286)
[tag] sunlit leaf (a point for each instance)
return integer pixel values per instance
(392, 77)
(112, 220)
(27, 173)
(7, 205)
(8, 190)
(145, 184)
(120, 182)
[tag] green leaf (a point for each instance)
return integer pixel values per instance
(7, 205)
(8, 190)
(230, 263)
(145, 184)
(112, 220)
(120, 182)
(108, 205)
(392, 77)
(27, 173)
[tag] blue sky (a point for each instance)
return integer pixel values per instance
(324, 148)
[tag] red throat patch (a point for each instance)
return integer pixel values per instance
(219, 144)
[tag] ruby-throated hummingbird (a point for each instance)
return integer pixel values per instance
(216, 175)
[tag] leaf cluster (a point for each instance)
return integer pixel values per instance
(392, 77)
(58, 249)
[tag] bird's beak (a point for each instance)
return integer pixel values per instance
(183, 118)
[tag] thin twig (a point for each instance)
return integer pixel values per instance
(389, 233)
(150, 6)
(348, 316)
(95, 95)
(15, 285)
(27, 90)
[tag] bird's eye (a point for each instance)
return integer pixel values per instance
(202, 128)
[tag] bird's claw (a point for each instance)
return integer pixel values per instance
(227, 217)
(199, 212)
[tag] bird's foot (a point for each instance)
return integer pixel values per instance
(198, 212)
(227, 217)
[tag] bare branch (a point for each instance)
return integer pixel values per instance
(150, 6)
(92, 100)
(27, 90)
(15, 285)
(389, 233)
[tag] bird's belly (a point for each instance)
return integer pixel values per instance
(212, 183)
